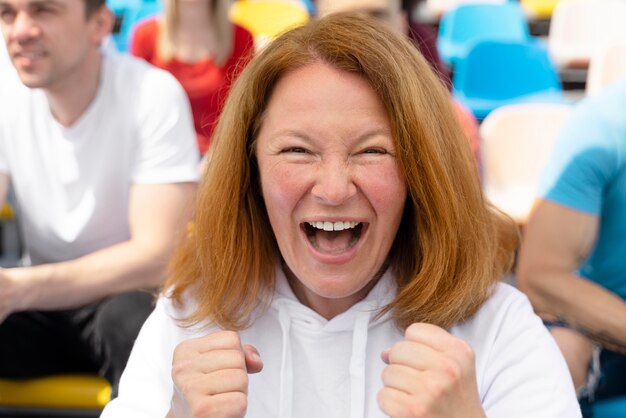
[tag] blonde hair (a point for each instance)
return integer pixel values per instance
(219, 22)
(451, 247)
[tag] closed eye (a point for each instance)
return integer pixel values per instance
(374, 151)
(295, 150)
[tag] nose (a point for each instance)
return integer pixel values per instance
(23, 27)
(334, 182)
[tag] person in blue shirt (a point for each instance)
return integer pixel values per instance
(572, 262)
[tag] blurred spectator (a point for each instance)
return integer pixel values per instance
(572, 263)
(195, 41)
(99, 148)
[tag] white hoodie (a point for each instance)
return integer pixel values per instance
(325, 369)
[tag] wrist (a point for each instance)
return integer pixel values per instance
(29, 284)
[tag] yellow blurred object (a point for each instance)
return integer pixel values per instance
(268, 19)
(541, 9)
(63, 391)
(7, 211)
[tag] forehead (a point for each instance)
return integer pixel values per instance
(310, 81)
(324, 102)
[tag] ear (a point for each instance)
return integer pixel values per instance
(102, 21)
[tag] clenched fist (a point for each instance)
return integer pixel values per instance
(210, 376)
(430, 374)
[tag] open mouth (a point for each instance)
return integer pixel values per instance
(26, 59)
(30, 55)
(333, 237)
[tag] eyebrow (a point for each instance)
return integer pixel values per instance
(32, 3)
(55, 3)
(304, 136)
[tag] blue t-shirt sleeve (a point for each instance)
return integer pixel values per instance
(584, 159)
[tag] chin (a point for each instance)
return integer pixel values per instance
(338, 287)
(31, 82)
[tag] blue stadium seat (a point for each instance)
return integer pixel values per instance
(498, 73)
(610, 408)
(463, 26)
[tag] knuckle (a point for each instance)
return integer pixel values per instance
(451, 370)
(177, 370)
(183, 366)
(437, 389)
(383, 400)
(180, 350)
(396, 349)
(180, 368)
(186, 388)
(240, 403)
(202, 408)
(386, 374)
(417, 409)
(231, 338)
(239, 358)
(413, 327)
(464, 349)
(413, 330)
(401, 345)
(241, 379)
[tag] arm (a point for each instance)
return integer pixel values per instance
(157, 214)
(556, 241)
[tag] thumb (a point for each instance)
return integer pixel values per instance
(254, 364)
(385, 355)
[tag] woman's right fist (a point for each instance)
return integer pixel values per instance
(210, 376)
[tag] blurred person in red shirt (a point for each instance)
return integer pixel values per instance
(196, 42)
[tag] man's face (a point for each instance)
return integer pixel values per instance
(51, 42)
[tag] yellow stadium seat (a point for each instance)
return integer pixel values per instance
(540, 9)
(6, 212)
(62, 391)
(268, 19)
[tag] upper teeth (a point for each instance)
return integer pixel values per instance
(31, 54)
(334, 226)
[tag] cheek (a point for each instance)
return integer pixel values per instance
(282, 187)
(385, 189)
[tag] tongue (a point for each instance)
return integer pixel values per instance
(333, 241)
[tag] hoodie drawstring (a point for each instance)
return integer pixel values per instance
(357, 365)
(286, 368)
